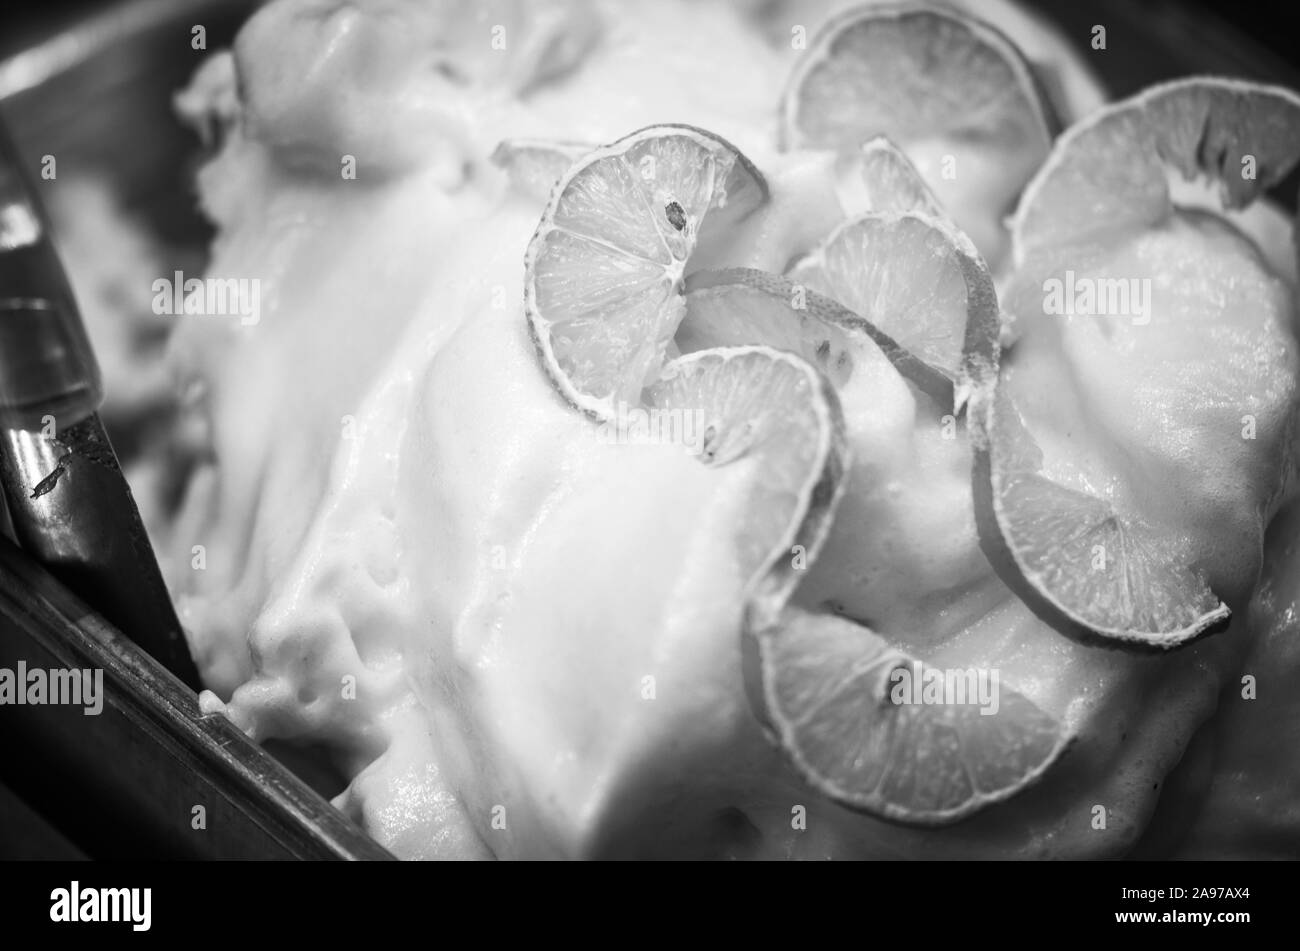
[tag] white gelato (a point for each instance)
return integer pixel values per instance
(520, 640)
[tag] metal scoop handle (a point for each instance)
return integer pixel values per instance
(68, 502)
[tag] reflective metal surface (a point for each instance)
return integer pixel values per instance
(72, 510)
(151, 775)
(68, 501)
(46, 365)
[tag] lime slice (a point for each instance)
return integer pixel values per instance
(1130, 454)
(817, 680)
(853, 728)
(953, 92)
(742, 305)
(1243, 137)
(1090, 569)
(602, 287)
(535, 166)
(913, 71)
(910, 275)
(1064, 72)
(773, 408)
(892, 182)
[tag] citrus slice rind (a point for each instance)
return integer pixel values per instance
(1094, 573)
(535, 166)
(853, 728)
(602, 285)
(919, 280)
(1244, 137)
(873, 71)
(759, 403)
(742, 305)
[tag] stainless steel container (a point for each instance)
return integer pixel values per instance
(149, 775)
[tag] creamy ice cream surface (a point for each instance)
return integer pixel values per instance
(516, 637)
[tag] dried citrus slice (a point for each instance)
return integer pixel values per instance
(1128, 458)
(909, 451)
(912, 71)
(534, 166)
(1093, 567)
(1243, 137)
(845, 706)
(908, 274)
(602, 287)
(950, 90)
(742, 305)
(772, 408)
(822, 682)
(1064, 72)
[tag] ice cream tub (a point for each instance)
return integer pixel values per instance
(96, 737)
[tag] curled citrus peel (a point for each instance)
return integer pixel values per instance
(603, 272)
(1125, 499)
(744, 305)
